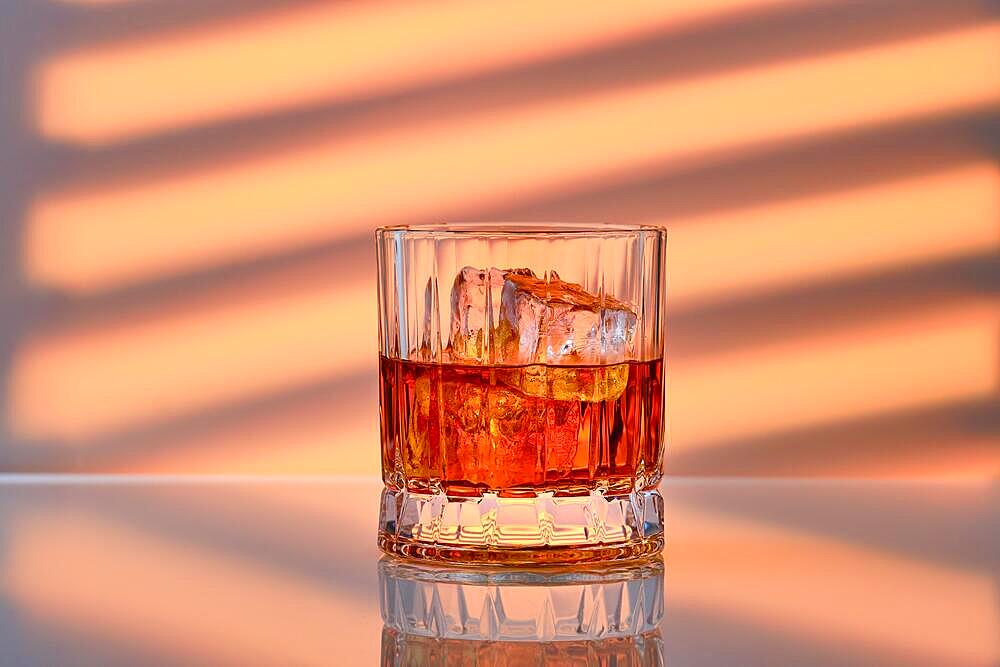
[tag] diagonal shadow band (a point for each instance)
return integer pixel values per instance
(710, 634)
(899, 518)
(834, 162)
(738, 41)
(72, 26)
(855, 447)
(829, 163)
(814, 308)
(697, 333)
(342, 396)
(288, 544)
(951, 526)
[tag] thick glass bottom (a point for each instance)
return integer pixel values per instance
(521, 531)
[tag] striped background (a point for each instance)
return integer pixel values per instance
(188, 189)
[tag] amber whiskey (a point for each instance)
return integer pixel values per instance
(521, 430)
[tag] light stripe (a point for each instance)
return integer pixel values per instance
(95, 239)
(830, 236)
(124, 586)
(832, 592)
(321, 53)
(338, 434)
(77, 386)
(81, 382)
(930, 358)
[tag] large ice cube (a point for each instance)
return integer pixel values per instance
(475, 302)
(502, 438)
(590, 384)
(558, 322)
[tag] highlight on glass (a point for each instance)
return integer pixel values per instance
(521, 391)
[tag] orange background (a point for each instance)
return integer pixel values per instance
(189, 190)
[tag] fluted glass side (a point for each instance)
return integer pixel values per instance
(419, 265)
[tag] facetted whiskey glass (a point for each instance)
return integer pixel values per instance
(521, 391)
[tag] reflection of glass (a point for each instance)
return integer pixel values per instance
(607, 614)
(521, 391)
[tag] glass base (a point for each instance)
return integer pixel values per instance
(521, 531)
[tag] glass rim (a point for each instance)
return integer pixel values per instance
(523, 229)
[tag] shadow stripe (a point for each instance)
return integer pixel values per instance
(845, 448)
(736, 42)
(342, 395)
(829, 163)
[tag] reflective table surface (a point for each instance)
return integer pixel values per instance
(109, 571)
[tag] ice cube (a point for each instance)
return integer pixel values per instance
(560, 323)
(589, 384)
(475, 302)
(501, 438)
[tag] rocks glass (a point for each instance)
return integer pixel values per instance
(521, 391)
